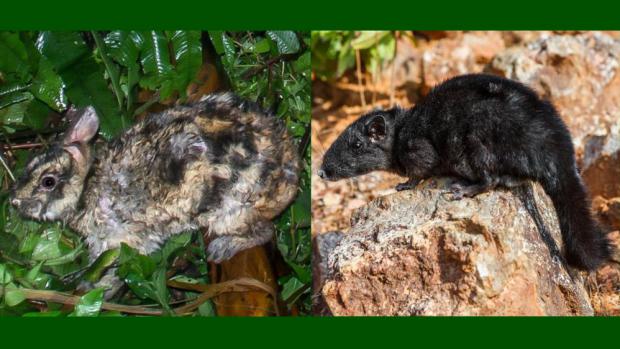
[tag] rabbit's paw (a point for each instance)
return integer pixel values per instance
(222, 248)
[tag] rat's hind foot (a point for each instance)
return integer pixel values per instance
(408, 185)
(510, 181)
(463, 189)
(458, 191)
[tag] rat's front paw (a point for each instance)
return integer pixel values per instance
(456, 191)
(221, 249)
(410, 184)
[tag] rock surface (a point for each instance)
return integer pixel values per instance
(601, 173)
(464, 53)
(579, 73)
(601, 164)
(418, 253)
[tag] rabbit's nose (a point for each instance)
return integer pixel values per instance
(16, 202)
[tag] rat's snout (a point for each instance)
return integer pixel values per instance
(326, 173)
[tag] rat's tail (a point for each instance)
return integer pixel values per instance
(585, 245)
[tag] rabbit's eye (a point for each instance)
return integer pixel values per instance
(48, 182)
(357, 145)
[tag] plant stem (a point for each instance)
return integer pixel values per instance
(62, 298)
(358, 67)
(212, 290)
(22, 146)
(283, 57)
(207, 292)
(6, 167)
(147, 104)
(109, 66)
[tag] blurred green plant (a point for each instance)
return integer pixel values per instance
(44, 73)
(334, 52)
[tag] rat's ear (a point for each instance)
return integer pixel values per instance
(375, 128)
(84, 128)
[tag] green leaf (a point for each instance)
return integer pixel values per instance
(37, 278)
(48, 246)
(155, 59)
(132, 262)
(161, 291)
(87, 87)
(216, 40)
(62, 49)
(367, 39)
(34, 272)
(90, 303)
(13, 296)
(206, 309)
(13, 108)
(29, 242)
(346, 60)
(48, 86)
(262, 46)
(112, 70)
(141, 287)
(83, 77)
(10, 88)
(291, 287)
(5, 276)
(124, 47)
(229, 48)
(173, 244)
(101, 264)
(66, 258)
(36, 115)
(303, 63)
(380, 54)
(14, 56)
(188, 57)
(286, 41)
(300, 210)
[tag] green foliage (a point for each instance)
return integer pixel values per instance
(89, 304)
(44, 73)
(333, 52)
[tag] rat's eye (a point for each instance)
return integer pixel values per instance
(48, 182)
(357, 145)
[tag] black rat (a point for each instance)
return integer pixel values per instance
(488, 131)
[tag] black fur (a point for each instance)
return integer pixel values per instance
(487, 130)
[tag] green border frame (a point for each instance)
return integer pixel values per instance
(429, 332)
(310, 14)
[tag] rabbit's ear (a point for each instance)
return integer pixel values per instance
(84, 128)
(77, 152)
